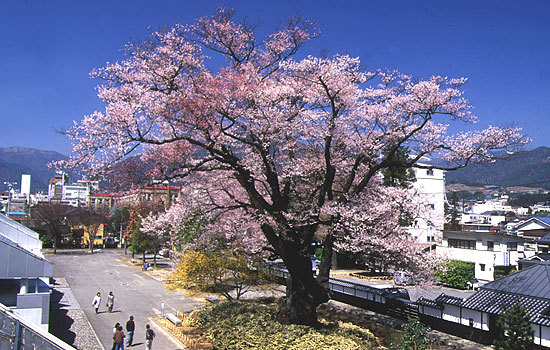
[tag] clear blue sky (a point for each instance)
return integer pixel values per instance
(48, 48)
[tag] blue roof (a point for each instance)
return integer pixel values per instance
(544, 219)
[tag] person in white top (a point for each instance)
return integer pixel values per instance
(96, 302)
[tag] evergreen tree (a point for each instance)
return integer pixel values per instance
(398, 172)
(516, 331)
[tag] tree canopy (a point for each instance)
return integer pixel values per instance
(282, 151)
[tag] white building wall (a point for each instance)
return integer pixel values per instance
(544, 340)
(451, 313)
(430, 184)
(34, 316)
(468, 314)
(21, 235)
(430, 311)
(26, 184)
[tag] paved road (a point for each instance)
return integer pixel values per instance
(136, 292)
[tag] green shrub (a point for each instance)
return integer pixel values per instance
(415, 336)
(240, 325)
(457, 274)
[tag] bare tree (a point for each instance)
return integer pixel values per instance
(54, 219)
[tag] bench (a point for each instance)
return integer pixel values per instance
(172, 318)
(211, 298)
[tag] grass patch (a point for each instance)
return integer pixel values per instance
(246, 325)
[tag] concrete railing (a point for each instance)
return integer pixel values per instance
(16, 333)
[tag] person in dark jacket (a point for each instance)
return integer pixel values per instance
(130, 327)
(149, 336)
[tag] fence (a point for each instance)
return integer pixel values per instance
(365, 297)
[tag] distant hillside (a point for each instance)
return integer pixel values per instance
(527, 168)
(15, 161)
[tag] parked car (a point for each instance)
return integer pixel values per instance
(402, 278)
(395, 292)
(110, 242)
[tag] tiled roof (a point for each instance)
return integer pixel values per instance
(449, 299)
(429, 302)
(495, 302)
(533, 282)
(538, 257)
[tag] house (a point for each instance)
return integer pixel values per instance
(534, 227)
(490, 251)
(477, 315)
(99, 230)
(24, 273)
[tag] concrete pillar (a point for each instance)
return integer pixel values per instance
(24, 286)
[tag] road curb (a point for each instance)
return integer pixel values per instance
(93, 331)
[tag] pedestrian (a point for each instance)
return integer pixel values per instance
(119, 339)
(110, 301)
(115, 328)
(149, 336)
(96, 302)
(130, 327)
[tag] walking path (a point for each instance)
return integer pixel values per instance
(136, 293)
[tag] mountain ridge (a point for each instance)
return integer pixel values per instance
(16, 160)
(530, 168)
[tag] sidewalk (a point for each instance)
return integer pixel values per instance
(67, 320)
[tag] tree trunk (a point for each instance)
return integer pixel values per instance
(144, 256)
(54, 246)
(155, 260)
(303, 292)
(91, 244)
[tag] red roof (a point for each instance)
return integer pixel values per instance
(161, 188)
(105, 195)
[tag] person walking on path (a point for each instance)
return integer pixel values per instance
(115, 328)
(149, 336)
(130, 327)
(119, 339)
(110, 301)
(96, 302)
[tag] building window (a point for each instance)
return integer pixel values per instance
(430, 172)
(512, 246)
(462, 243)
(490, 245)
(482, 267)
(432, 206)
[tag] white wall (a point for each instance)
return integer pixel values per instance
(430, 311)
(430, 185)
(451, 313)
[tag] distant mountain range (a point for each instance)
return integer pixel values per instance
(526, 168)
(15, 161)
